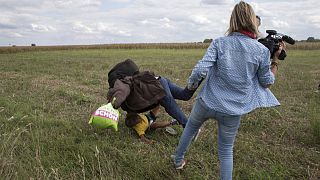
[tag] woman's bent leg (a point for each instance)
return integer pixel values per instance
(196, 119)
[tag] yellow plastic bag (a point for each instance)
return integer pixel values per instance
(105, 117)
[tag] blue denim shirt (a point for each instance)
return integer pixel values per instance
(237, 69)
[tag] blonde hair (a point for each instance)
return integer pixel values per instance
(243, 18)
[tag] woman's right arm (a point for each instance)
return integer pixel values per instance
(266, 72)
(201, 69)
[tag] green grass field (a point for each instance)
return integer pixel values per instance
(46, 98)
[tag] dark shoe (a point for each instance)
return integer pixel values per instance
(174, 122)
(151, 116)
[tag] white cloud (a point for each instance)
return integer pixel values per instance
(42, 28)
(263, 11)
(148, 3)
(216, 2)
(280, 24)
(165, 22)
(145, 21)
(13, 35)
(165, 19)
(200, 19)
(121, 1)
(99, 29)
(16, 4)
(158, 23)
(76, 4)
(79, 27)
(16, 35)
(314, 20)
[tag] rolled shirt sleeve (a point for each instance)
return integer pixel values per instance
(202, 67)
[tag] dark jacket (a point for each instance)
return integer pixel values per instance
(137, 93)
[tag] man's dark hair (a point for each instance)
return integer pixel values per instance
(121, 70)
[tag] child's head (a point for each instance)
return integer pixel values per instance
(132, 119)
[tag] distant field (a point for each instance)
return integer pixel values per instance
(46, 98)
(199, 45)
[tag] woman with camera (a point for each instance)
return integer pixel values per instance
(239, 73)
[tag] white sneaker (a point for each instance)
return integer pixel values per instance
(181, 165)
(170, 130)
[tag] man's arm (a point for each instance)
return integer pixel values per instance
(120, 92)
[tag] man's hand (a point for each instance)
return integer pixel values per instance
(194, 85)
(282, 46)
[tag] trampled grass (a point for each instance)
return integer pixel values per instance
(46, 99)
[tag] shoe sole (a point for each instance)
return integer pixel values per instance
(181, 166)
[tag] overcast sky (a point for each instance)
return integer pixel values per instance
(59, 22)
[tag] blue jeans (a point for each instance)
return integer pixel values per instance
(227, 130)
(168, 102)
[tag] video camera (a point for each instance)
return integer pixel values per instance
(272, 42)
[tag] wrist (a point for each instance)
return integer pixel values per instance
(274, 64)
